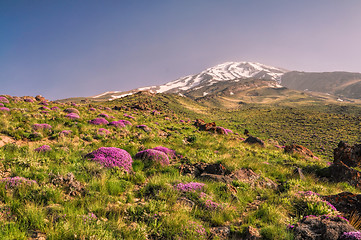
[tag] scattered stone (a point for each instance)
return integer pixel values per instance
(68, 182)
(221, 232)
(254, 140)
(294, 148)
(340, 172)
(252, 233)
(186, 202)
(299, 172)
(321, 228)
(349, 155)
(145, 128)
(210, 127)
(40, 98)
(217, 172)
(37, 235)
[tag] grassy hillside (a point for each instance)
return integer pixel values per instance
(65, 193)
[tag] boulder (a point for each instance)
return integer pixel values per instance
(252, 233)
(345, 202)
(321, 228)
(294, 148)
(71, 186)
(349, 155)
(221, 232)
(254, 140)
(340, 172)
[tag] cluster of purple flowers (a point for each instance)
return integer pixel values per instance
(65, 133)
(128, 116)
(44, 148)
(118, 124)
(4, 109)
(107, 109)
(198, 229)
(54, 108)
(38, 126)
(103, 131)
(171, 153)
(210, 205)
(11, 182)
(1, 105)
(189, 187)
(103, 115)
(99, 121)
(74, 104)
(44, 108)
(112, 157)
(4, 99)
(153, 156)
(90, 218)
(72, 116)
(92, 109)
(155, 112)
(351, 236)
(72, 110)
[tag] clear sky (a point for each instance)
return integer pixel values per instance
(67, 48)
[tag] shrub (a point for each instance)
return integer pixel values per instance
(39, 126)
(12, 182)
(99, 121)
(189, 187)
(4, 109)
(103, 115)
(171, 153)
(351, 236)
(117, 124)
(29, 100)
(54, 108)
(151, 156)
(112, 157)
(103, 131)
(72, 116)
(72, 110)
(44, 148)
(4, 99)
(65, 133)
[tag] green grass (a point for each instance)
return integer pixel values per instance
(144, 204)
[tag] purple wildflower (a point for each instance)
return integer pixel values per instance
(155, 112)
(117, 124)
(189, 187)
(4, 109)
(72, 110)
(1, 105)
(72, 116)
(103, 131)
(54, 108)
(107, 109)
(351, 236)
(91, 217)
(44, 148)
(152, 155)
(99, 121)
(11, 182)
(38, 126)
(65, 133)
(126, 122)
(128, 116)
(103, 115)
(112, 157)
(4, 99)
(74, 104)
(171, 153)
(92, 109)
(44, 108)
(210, 205)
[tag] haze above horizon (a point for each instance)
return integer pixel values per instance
(66, 48)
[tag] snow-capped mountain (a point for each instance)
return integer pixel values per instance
(222, 72)
(229, 71)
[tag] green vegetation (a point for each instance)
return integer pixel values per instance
(110, 203)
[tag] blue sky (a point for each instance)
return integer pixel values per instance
(69, 48)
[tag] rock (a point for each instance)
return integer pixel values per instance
(294, 148)
(186, 202)
(340, 172)
(349, 155)
(299, 172)
(321, 228)
(68, 182)
(145, 128)
(210, 127)
(347, 203)
(252, 233)
(254, 140)
(41, 98)
(217, 172)
(221, 232)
